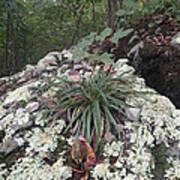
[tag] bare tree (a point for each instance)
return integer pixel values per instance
(110, 14)
(80, 12)
(111, 9)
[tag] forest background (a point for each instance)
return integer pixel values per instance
(29, 29)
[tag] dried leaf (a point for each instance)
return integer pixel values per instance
(85, 177)
(85, 152)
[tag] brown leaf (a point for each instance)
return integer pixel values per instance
(85, 152)
(85, 177)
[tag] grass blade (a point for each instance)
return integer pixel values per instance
(97, 119)
(89, 117)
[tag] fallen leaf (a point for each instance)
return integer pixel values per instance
(85, 153)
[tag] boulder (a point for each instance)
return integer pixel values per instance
(160, 67)
(31, 127)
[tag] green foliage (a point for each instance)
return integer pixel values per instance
(104, 58)
(161, 163)
(96, 104)
(123, 13)
(126, 13)
(80, 51)
(106, 32)
(121, 33)
(37, 27)
(12, 34)
(134, 9)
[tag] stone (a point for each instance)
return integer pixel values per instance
(2, 134)
(7, 148)
(176, 39)
(28, 128)
(2, 82)
(2, 112)
(29, 67)
(8, 119)
(20, 94)
(57, 55)
(67, 55)
(21, 117)
(32, 107)
(20, 127)
(47, 63)
(74, 76)
(100, 170)
(133, 113)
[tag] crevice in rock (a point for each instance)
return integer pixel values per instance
(12, 157)
(161, 71)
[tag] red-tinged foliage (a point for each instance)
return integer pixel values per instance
(82, 152)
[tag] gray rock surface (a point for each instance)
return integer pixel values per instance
(28, 121)
(7, 148)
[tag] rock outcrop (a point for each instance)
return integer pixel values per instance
(160, 66)
(32, 143)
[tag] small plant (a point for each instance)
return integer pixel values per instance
(81, 50)
(94, 105)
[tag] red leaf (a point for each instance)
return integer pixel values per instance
(85, 151)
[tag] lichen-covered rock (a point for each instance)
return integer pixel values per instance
(32, 107)
(7, 148)
(158, 123)
(20, 94)
(176, 39)
(2, 112)
(37, 169)
(29, 120)
(173, 172)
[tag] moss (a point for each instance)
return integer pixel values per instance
(161, 164)
(22, 104)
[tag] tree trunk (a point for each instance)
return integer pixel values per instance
(111, 13)
(94, 15)
(15, 53)
(80, 12)
(24, 45)
(6, 64)
(121, 4)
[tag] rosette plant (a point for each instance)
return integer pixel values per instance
(94, 105)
